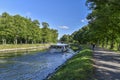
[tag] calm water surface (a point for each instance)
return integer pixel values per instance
(29, 66)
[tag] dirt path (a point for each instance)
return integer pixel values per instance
(107, 65)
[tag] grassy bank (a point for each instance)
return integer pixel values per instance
(11, 46)
(75, 47)
(77, 68)
(22, 47)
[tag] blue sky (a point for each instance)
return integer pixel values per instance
(66, 16)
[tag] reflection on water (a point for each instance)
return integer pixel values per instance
(30, 66)
(16, 54)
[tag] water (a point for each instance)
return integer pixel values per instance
(35, 66)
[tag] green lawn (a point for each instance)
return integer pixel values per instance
(11, 46)
(77, 68)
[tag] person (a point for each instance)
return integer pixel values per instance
(93, 46)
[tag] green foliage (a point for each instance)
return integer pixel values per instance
(17, 29)
(77, 68)
(75, 47)
(66, 39)
(104, 24)
(104, 21)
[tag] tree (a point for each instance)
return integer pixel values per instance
(18, 30)
(66, 38)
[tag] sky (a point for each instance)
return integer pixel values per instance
(66, 16)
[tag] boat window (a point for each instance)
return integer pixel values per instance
(56, 47)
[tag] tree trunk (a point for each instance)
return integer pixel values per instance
(32, 42)
(98, 43)
(15, 41)
(3, 41)
(118, 47)
(106, 43)
(103, 44)
(112, 43)
(20, 42)
(26, 41)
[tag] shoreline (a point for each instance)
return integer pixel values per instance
(24, 49)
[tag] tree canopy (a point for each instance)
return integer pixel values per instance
(17, 29)
(104, 24)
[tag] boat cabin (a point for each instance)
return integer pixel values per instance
(59, 48)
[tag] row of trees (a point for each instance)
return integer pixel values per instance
(104, 24)
(17, 29)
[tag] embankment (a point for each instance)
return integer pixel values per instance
(23, 47)
(79, 67)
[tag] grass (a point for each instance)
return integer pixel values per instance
(77, 68)
(21, 49)
(75, 47)
(11, 46)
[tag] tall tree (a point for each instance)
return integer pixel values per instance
(17, 29)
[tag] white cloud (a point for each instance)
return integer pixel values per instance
(64, 27)
(83, 20)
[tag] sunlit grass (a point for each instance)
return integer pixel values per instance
(20, 49)
(77, 68)
(74, 47)
(11, 46)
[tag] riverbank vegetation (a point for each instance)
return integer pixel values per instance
(75, 47)
(15, 29)
(13, 46)
(78, 67)
(103, 27)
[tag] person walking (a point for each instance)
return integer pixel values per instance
(93, 46)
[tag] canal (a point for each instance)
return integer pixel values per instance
(31, 66)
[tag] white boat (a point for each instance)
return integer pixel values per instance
(59, 48)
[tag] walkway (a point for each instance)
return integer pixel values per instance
(107, 65)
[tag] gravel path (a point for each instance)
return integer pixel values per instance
(107, 64)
